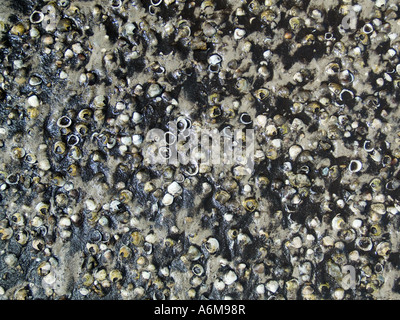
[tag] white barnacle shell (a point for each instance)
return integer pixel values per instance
(239, 33)
(297, 242)
(137, 139)
(90, 204)
(136, 117)
(33, 101)
(271, 130)
(212, 245)
(114, 205)
(64, 222)
(214, 59)
(355, 166)
(219, 285)
(272, 286)
(126, 140)
(230, 277)
(129, 28)
(338, 223)
(376, 156)
(154, 90)
(261, 120)
(260, 289)
(99, 102)
(294, 151)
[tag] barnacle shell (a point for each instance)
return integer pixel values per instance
(106, 193)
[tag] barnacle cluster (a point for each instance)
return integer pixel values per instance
(83, 215)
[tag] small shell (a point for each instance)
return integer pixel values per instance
(17, 152)
(22, 237)
(21, 294)
(313, 107)
(73, 170)
(338, 223)
(261, 94)
(379, 208)
(18, 219)
(33, 101)
(18, 29)
(294, 151)
(367, 28)
(261, 120)
(383, 249)
(42, 208)
(245, 118)
(125, 252)
(31, 158)
(268, 16)
(346, 77)
(338, 294)
(87, 279)
(393, 184)
(168, 199)
(174, 188)
(263, 70)
(239, 33)
(99, 102)
(193, 253)
(64, 222)
(295, 23)
(272, 286)
(85, 114)
(36, 17)
(250, 204)
(335, 88)
(35, 81)
(230, 277)
(154, 90)
(364, 243)
(115, 275)
(368, 146)
(376, 185)
(212, 245)
(222, 196)
(125, 196)
(214, 59)
(137, 238)
(355, 166)
(38, 244)
(328, 241)
(137, 117)
(100, 275)
(65, 25)
(198, 270)
(44, 268)
(64, 122)
(72, 140)
(376, 230)
(242, 85)
(347, 235)
(346, 95)
(116, 4)
(376, 156)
